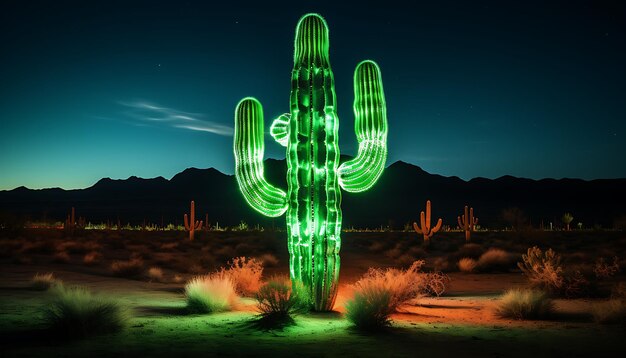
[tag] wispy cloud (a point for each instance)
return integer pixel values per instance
(146, 112)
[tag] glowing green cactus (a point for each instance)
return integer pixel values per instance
(310, 134)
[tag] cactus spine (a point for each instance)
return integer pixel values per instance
(467, 222)
(426, 230)
(310, 134)
(191, 224)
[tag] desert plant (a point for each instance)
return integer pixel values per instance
(370, 307)
(467, 222)
(278, 298)
(494, 259)
(42, 282)
(130, 268)
(191, 224)
(210, 293)
(76, 312)
(525, 304)
(607, 312)
(314, 178)
(433, 283)
(61, 257)
(155, 274)
(379, 293)
(567, 218)
(543, 269)
(604, 270)
(246, 274)
(467, 265)
(426, 230)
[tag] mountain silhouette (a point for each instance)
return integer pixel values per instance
(396, 199)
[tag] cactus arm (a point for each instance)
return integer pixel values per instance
(458, 219)
(362, 172)
(186, 222)
(280, 129)
(248, 149)
(437, 227)
(417, 228)
(425, 223)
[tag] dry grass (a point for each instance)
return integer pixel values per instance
(42, 282)
(608, 312)
(269, 260)
(525, 304)
(433, 283)
(76, 312)
(211, 293)
(467, 265)
(131, 268)
(245, 274)
(277, 298)
(155, 274)
(494, 260)
(379, 293)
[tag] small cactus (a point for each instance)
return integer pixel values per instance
(191, 224)
(467, 222)
(426, 230)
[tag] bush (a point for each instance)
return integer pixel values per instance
(379, 293)
(494, 260)
(467, 265)
(61, 257)
(604, 270)
(525, 304)
(130, 268)
(76, 312)
(155, 274)
(543, 269)
(210, 293)
(607, 312)
(277, 298)
(42, 282)
(433, 283)
(245, 274)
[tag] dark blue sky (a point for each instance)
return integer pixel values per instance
(474, 88)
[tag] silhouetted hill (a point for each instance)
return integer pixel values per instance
(396, 199)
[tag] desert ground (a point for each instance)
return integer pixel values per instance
(462, 321)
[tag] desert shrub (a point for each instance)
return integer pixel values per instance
(178, 278)
(92, 258)
(433, 283)
(155, 274)
(130, 268)
(370, 307)
(494, 259)
(471, 250)
(467, 264)
(277, 298)
(61, 257)
(604, 270)
(525, 304)
(607, 312)
(245, 274)
(379, 293)
(543, 269)
(42, 282)
(210, 293)
(575, 284)
(76, 312)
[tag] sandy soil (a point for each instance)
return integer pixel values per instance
(460, 323)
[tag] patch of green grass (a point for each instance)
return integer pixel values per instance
(75, 312)
(210, 293)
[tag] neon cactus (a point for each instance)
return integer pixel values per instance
(426, 230)
(467, 222)
(191, 224)
(310, 134)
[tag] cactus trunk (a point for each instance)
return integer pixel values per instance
(310, 134)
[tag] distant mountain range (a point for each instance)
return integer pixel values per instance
(396, 199)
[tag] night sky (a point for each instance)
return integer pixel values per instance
(474, 88)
